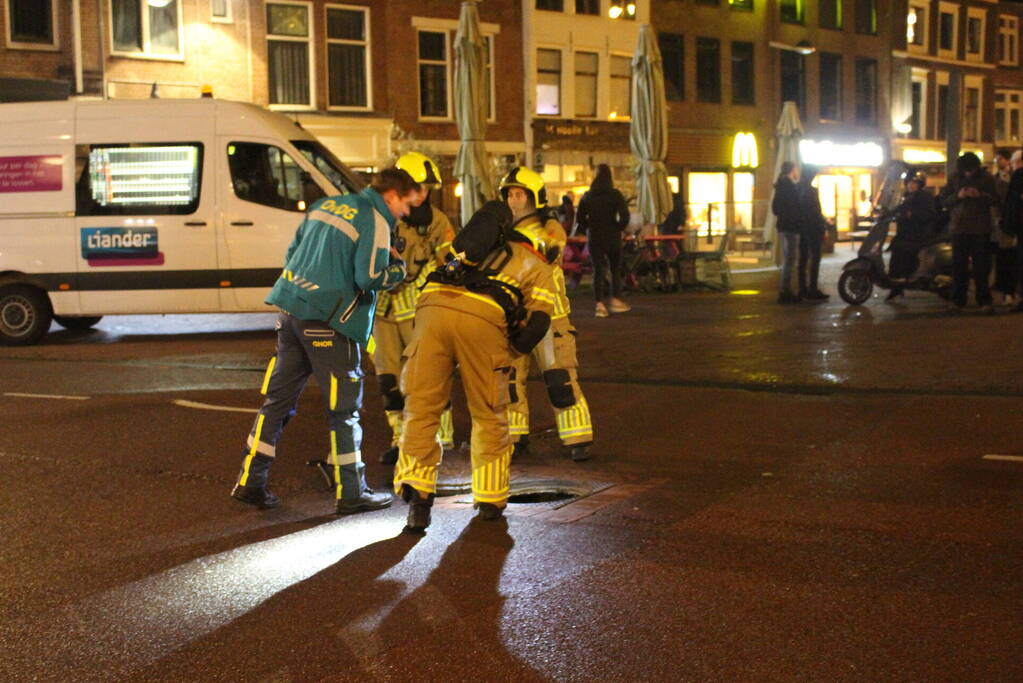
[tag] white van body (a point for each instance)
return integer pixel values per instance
(148, 206)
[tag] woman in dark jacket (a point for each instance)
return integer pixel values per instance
(604, 214)
(814, 228)
(786, 207)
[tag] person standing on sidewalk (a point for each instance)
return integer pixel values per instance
(970, 196)
(1012, 220)
(604, 214)
(814, 228)
(1003, 244)
(340, 257)
(786, 206)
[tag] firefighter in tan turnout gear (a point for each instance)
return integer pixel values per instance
(491, 302)
(524, 191)
(421, 238)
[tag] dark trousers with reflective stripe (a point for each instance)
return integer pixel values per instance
(307, 348)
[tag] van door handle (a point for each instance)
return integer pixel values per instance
(241, 222)
(196, 224)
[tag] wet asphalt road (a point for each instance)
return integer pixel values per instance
(797, 493)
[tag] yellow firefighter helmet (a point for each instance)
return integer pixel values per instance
(547, 243)
(529, 180)
(420, 167)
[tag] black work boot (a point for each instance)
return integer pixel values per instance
(581, 452)
(520, 447)
(489, 512)
(364, 503)
(418, 508)
(254, 492)
(390, 456)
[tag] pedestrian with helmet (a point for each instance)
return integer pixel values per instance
(340, 258)
(421, 239)
(914, 224)
(491, 302)
(605, 214)
(526, 195)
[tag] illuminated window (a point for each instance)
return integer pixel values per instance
(347, 60)
(742, 201)
(151, 28)
(743, 5)
(289, 53)
(622, 9)
(548, 82)
(139, 179)
(1008, 105)
(831, 14)
(586, 84)
(792, 11)
(707, 195)
(1008, 40)
(916, 25)
(621, 87)
(433, 75)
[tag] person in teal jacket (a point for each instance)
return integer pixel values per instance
(340, 257)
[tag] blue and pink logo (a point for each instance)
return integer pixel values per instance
(121, 247)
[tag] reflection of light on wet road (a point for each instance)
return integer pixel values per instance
(745, 292)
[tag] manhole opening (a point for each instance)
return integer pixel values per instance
(541, 497)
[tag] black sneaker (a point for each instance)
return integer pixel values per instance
(255, 495)
(390, 456)
(364, 503)
(418, 509)
(489, 512)
(580, 452)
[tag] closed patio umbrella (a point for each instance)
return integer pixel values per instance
(789, 131)
(648, 128)
(471, 166)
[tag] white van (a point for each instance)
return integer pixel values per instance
(148, 206)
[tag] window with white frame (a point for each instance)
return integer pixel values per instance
(548, 82)
(621, 87)
(971, 108)
(948, 29)
(289, 53)
(918, 106)
(941, 106)
(348, 75)
(975, 33)
(32, 24)
(916, 26)
(1008, 114)
(434, 100)
(149, 28)
(1008, 40)
(220, 11)
(586, 68)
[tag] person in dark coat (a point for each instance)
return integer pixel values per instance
(914, 224)
(814, 228)
(1003, 244)
(969, 196)
(1012, 219)
(604, 214)
(566, 213)
(786, 207)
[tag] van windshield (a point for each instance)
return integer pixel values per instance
(329, 165)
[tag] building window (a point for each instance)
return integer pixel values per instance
(118, 179)
(831, 14)
(742, 73)
(1007, 116)
(621, 87)
(31, 23)
(971, 114)
(866, 16)
(707, 196)
(916, 25)
(586, 83)
(947, 29)
(866, 91)
(707, 2)
(138, 26)
(793, 79)
(941, 129)
(587, 7)
(551, 5)
(433, 74)
(708, 70)
(974, 35)
(831, 86)
(1008, 32)
(673, 58)
(622, 9)
(347, 57)
(267, 175)
(792, 11)
(918, 110)
(548, 82)
(220, 10)
(741, 5)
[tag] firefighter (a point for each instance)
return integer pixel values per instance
(421, 238)
(524, 191)
(340, 257)
(491, 302)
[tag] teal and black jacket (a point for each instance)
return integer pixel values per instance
(341, 252)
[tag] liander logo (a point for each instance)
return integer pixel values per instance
(119, 243)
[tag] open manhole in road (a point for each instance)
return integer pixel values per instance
(549, 494)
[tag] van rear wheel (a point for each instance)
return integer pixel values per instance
(77, 322)
(25, 315)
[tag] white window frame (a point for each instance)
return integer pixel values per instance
(978, 83)
(953, 9)
(295, 39)
(12, 44)
(227, 18)
(145, 52)
(1008, 29)
(562, 90)
(343, 41)
(981, 14)
(1007, 106)
(448, 64)
(920, 76)
(596, 93)
(487, 30)
(610, 80)
(922, 28)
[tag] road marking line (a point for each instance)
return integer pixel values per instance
(16, 394)
(1010, 458)
(208, 406)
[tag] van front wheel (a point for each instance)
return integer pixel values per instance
(25, 315)
(77, 322)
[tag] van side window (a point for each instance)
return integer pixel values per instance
(133, 179)
(265, 174)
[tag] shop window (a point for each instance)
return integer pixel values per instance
(347, 57)
(1008, 40)
(707, 196)
(793, 79)
(289, 54)
(151, 179)
(551, 5)
(742, 201)
(433, 74)
(220, 10)
(30, 22)
(916, 25)
(742, 73)
(971, 114)
(831, 14)
(708, 70)
(141, 27)
(673, 59)
(866, 91)
(974, 35)
(587, 7)
(742, 5)
(621, 87)
(792, 11)
(586, 84)
(831, 86)
(548, 82)
(267, 175)
(866, 16)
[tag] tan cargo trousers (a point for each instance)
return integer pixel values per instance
(442, 338)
